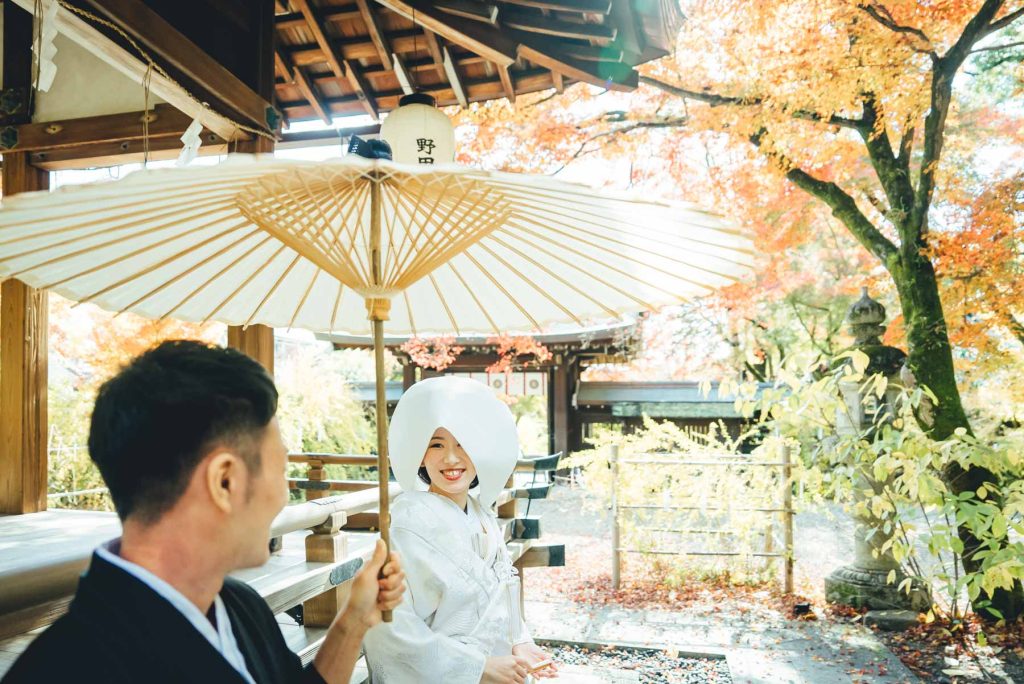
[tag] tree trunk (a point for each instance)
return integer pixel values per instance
(930, 358)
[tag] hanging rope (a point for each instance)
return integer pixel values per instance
(153, 66)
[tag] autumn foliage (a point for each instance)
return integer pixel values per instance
(811, 119)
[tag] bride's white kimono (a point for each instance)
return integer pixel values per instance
(462, 603)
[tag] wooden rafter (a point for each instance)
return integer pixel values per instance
(373, 26)
(281, 66)
(535, 23)
(528, 81)
(593, 53)
(362, 89)
(507, 83)
(478, 50)
(402, 73)
(312, 96)
(434, 48)
(331, 56)
(297, 76)
(454, 79)
(469, 9)
(581, 6)
(611, 75)
(295, 20)
(484, 40)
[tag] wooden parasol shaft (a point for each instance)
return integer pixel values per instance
(378, 310)
(382, 440)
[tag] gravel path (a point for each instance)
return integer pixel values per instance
(650, 666)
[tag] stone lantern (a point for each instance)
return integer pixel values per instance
(864, 582)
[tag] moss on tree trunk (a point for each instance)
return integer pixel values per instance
(930, 358)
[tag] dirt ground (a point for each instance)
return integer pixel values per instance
(823, 540)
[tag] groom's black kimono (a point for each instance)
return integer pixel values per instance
(118, 630)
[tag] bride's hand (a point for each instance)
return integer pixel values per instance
(510, 669)
(535, 654)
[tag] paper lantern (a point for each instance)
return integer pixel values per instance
(418, 132)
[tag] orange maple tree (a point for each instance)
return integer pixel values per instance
(849, 104)
(99, 342)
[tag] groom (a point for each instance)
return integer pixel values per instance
(187, 441)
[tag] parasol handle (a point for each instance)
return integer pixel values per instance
(384, 516)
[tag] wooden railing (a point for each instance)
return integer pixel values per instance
(36, 589)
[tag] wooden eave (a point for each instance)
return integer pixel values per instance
(459, 51)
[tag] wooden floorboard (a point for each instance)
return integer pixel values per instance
(35, 547)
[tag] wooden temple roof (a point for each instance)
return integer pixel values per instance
(619, 341)
(238, 66)
(336, 58)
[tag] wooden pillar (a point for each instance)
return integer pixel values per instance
(558, 407)
(408, 375)
(24, 318)
(573, 429)
(257, 341)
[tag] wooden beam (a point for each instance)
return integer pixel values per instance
(593, 53)
(556, 79)
(507, 83)
(23, 371)
(375, 31)
(486, 41)
(581, 6)
(546, 53)
(281, 66)
(403, 75)
(362, 89)
(165, 122)
(525, 21)
(478, 90)
(434, 48)
(309, 92)
(403, 42)
(470, 9)
(321, 137)
(176, 51)
(454, 79)
(334, 60)
(294, 20)
(124, 152)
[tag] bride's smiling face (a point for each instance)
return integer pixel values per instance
(450, 470)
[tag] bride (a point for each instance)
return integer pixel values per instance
(461, 621)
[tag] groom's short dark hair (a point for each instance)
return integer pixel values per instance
(162, 413)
